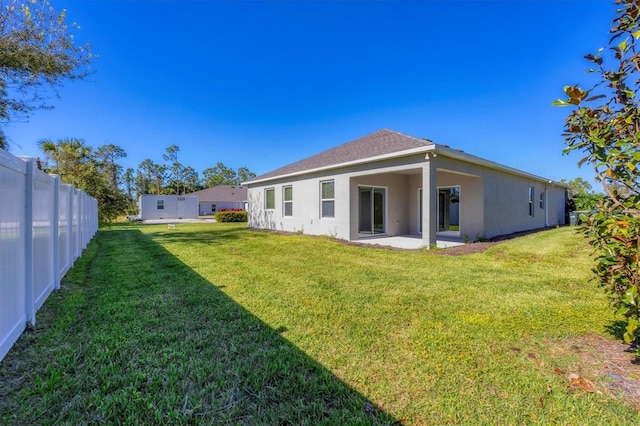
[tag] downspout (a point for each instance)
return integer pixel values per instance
(546, 203)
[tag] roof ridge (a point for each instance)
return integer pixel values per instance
(408, 136)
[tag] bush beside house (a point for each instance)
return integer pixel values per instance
(231, 215)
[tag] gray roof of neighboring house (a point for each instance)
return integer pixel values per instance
(372, 145)
(222, 193)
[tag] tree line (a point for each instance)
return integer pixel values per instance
(99, 174)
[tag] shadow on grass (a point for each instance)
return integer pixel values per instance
(138, 337)
(617, 329)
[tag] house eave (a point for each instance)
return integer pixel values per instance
(462, 156)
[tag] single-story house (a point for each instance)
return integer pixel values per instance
(391, 184)
(221, 197)
(168, 207)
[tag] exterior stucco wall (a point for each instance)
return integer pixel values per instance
(507, 204)
(306, 199)
(492, 202)
(471, 209)
(205, 207)
(175, 207)
(306, 207)
(556, 200)
(413, 186)
(397, 197)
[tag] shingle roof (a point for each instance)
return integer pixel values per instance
(372, 145)
(222, 193)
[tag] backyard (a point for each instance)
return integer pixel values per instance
(218, 324)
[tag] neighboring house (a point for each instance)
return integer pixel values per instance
(221, 197)
(391, 184)
(168, 207)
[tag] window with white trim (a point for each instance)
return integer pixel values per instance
(531, 210)
(269, 198)
(327, 198)
(287, 200)
(542, 200)
(159, 204)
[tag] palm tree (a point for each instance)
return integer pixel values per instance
(70, 158)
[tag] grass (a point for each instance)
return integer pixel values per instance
(217, 324)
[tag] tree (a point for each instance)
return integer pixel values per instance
(219, 175)
(605, 126)
(145, 177)
(107, 156)
(78, 165)
(244, 174)
(70, 158)
(153, 175)
(176, 169)
(578, 186)
(37, 54)
(581, 195)
(191, 180)
(4, 144)
(129, 181)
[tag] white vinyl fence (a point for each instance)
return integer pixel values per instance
(44, 226)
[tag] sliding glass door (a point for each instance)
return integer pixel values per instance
(448, 209)
(372, 203)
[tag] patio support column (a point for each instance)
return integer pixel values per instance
(429, 202)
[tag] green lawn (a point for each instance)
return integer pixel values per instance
(217, 324)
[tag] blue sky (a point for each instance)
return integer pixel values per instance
(264, 83)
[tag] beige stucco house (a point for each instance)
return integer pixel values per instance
(391, 184)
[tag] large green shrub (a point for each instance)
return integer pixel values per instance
(605, 127)
(231, 216)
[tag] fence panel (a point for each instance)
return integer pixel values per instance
(42, 234)
(44, 226)
(64, 228)
(75, 225)
(12, 250)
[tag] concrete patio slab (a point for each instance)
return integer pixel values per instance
(410, 242)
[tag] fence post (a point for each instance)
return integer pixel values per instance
(30, 308)
(72, 209)
(56, 231)
(83, 215)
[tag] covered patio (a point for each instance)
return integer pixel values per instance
(411, 207)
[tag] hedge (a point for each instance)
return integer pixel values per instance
(231, 216)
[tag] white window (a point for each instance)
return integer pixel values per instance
(270, 199)
(160, 204)
(531, 201)
(327, 198)
(542, 200)
(287, 200)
